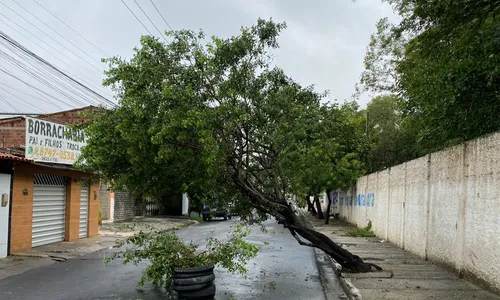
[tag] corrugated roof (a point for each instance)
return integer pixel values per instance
(7, 156)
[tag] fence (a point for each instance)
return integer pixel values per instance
(444, 207)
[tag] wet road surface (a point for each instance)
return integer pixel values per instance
(282, 270)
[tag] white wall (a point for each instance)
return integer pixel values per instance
(444, 207)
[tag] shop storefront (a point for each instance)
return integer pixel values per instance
(45, 199)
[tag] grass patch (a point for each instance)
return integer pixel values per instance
(196, 218)
(362, 232)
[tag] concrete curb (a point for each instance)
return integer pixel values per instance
(36, 255)
(334, 269)
(332, 286)
(329, 269)
(351, 291)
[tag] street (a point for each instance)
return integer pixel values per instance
(282, 270)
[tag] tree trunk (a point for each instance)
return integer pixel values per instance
(310, 206)
(318, 240)
(328, 207)
(285, 215)
(320, 215)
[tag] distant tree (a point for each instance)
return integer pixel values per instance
(392, 139)
(442, 59)
(218, 120)
(330, 161)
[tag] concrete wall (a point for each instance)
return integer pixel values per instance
(124, 206)
(104, 201)
(444, 207)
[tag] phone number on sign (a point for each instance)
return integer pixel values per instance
(52, 155)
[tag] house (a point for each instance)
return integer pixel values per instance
(44, 198)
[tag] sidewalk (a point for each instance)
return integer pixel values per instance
(109, 233)
(404, 275)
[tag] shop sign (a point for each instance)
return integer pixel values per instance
(52, 142)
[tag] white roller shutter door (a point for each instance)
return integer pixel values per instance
(84, 210)
(49, 209)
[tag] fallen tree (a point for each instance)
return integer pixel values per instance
(217, 121)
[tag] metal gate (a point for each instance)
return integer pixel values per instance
(84, 210)
(49, 209)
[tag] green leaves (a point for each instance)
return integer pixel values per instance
(163, 251)
(441, 59)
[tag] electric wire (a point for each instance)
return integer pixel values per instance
(15, 46)
(7, 102)
(93, 66)
(161, 34)
(137, 18)
(22, 100)
(65, 24)
(43, 99)
(79, 48)
(57, 50)
(160, 14)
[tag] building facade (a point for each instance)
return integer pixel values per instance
(44, 198)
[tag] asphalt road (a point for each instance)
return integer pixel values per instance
(281, 270)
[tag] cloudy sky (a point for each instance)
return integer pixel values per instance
(323, 45)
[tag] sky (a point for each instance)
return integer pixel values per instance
(324, 43)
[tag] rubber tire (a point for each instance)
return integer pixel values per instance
(194, 269)
(191, 275)
(194, 280)
(190, 288)
(206, 293)
(229, 217)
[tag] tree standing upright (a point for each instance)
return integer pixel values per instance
(216, 118)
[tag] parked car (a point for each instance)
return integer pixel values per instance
(219, 212)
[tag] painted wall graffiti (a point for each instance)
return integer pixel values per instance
(361, 200)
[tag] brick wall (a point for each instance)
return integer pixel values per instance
(12, 132)
(68, 117)
(22, 205)
(124, 206)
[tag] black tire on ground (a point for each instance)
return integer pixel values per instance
(190, 288)
(205, 293)
(229, 217)
(194, 280)
(194, 269)
(192, 275)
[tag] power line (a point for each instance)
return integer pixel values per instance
(57, 32)
(40, 78)
(49, 52)
(29, 95)
(161, 34)
(7, 102)
(22, 100)
(51, 37)
(32, 86)
(46, 63)
(137, 18)
(72, 29)
(160, 14)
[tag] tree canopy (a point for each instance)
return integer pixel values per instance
(214, 118)
(442, 60)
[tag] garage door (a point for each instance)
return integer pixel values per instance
(84, 210)
(49, 209)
